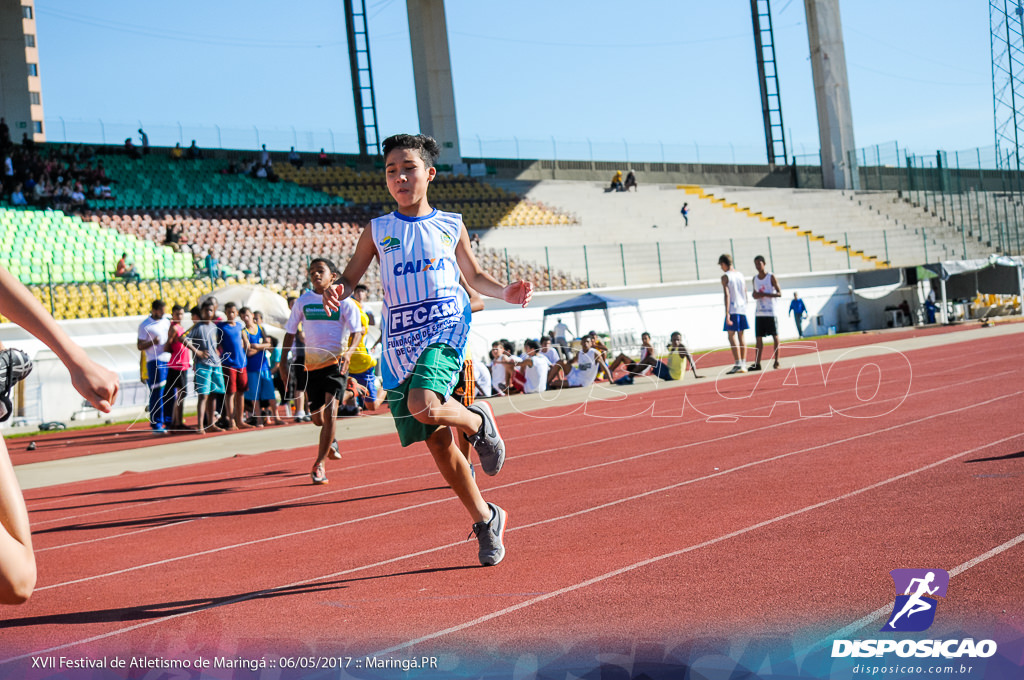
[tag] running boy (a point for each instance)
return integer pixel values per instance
(426, 321)
(327, 361)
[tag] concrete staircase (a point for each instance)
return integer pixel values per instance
(640, 237)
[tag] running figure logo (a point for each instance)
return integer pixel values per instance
(914, 610)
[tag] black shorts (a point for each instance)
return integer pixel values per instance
(323, 384)
(297, 379)
(764, 326)
(176, 380)
(286, 392)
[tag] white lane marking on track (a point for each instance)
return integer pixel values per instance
(554, 519)
(675, 553)
(887, 609)
(547, 433)
(429, 474)
(527, 481)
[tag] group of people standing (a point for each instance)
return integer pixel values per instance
(231, 355)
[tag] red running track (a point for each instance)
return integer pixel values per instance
(631, 520)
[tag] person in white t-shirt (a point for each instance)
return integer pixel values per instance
(536, 368)
(581, 370)
(153, 333)
(561, 335)
(499, 367)
(328, 352)
(735, 291)
(548, 351)
(766, 291)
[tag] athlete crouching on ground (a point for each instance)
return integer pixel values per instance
(426, 322)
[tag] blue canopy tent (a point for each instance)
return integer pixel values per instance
(588, 302)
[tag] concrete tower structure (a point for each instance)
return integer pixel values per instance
(21, 98)
(432, 71)
(832, 95)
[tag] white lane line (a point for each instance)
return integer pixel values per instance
(602, 421)
(644, 563)
(849, 630)
(553, 519)
(617, 461)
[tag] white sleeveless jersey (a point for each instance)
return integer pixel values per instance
(737, 292)
(765, 305)
(424, 303)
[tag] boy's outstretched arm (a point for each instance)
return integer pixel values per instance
(361, 259)
(94, 382)
(476, 303)
(518, 292)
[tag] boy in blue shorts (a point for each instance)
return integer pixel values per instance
(425, 324)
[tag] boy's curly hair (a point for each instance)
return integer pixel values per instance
(426, 146)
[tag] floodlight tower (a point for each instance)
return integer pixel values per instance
(768, 74)
(1005, 35)
(362, 77)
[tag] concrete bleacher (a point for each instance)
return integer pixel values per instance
(156, 181)
(276, 246)
(639, 236)
(481, 205)
(878, 223)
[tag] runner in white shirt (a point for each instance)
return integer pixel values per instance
(766, 290)
(328, 352)
(735, 291)
(426, 319)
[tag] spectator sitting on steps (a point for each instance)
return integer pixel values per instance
(630, 181)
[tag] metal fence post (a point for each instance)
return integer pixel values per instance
(810, 267)
(106, 291)
(661, 274)
(622, 255)
(846, 239)
(49, 285)
(586, 265)
(885, 241)
(924, 240)
(696, 260)
(508, 269)
(159, 282)
(771, 257)
(547, 259)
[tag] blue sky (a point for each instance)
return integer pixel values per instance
(644, 80)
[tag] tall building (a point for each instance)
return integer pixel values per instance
(21, 94)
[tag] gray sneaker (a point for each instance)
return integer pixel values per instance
(489, 535)
(14, 367)
(487, 441)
